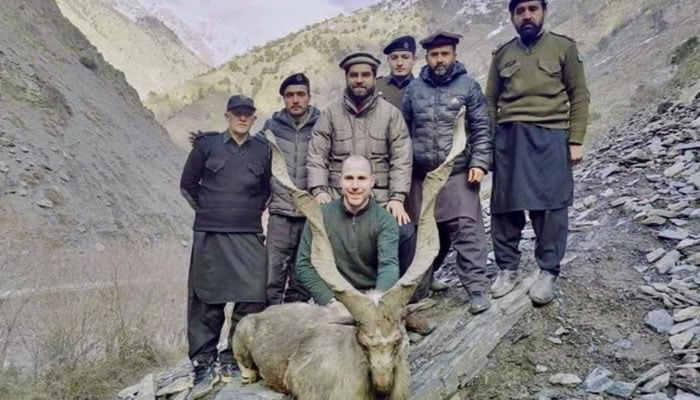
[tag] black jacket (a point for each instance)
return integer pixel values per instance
(430, 109)
(227, 185)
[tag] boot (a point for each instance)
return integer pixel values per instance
(542, 291)
(437, 285)
(505, 282)
(205, 377)
(478, 302)
(418, 324)
(227, 366)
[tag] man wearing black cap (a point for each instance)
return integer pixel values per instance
(226, 180)
(401, 54)
(292, 129)
(430, 106)
(363, 123)
(538, 100)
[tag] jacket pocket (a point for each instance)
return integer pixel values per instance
(377, 142)
(510, 70)
(256, 168)
(214, 164)
(341, 142)
(551, 67)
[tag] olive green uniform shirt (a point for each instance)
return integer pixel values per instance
(365, 247)
(543, 84)
(392, 89)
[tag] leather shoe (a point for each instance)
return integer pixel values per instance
(505, 282)
(479, 302)
(542, 291)
(418, 324)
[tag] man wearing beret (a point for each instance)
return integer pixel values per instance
(363, 123)
(431, 105)
(538, 100)
(401, 54)
(226, 180)
(292, 129)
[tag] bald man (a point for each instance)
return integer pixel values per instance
(363, 235)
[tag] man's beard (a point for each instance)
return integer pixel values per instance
(441, 72)
(358, 99)
(529, 31)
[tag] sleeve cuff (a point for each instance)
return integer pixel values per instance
(401, 197)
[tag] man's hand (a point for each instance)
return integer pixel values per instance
(323, 198)
(476, 175)
(194, 135)
(576, 151)
(396, 209)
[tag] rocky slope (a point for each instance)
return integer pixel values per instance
(80, 158)
(151, 55)
(627, 48)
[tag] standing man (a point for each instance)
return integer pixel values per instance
(538, 98)
(226, 180)
(363, 123)
(292, 129)
(430, 106)
(401, 54)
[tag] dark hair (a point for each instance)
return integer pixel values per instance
(514, 3)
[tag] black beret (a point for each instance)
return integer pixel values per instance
(238, 101)
(441, 38)
(514, 3)
(295, 79)
(403, 43)
(359, 58)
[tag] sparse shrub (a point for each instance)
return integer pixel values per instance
(685, 50)
(89, 62)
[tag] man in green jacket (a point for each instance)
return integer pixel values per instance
(363, 235)
(537, 96)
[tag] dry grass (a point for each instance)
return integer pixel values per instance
(84, 324)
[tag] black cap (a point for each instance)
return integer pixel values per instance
(403, 43)
(359, 58)
(441, 38)
(514, 3)
(295, 79)
(239, 101)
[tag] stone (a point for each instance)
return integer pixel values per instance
(653, 220)
(620, 201)
(681, 340)
(655, 255)
(565, 379)
(695, 214)
(679, 222)
(589, 201)
(685, 243)
(653, 396)
(609, 192)
(598, 380)
(668, 261)
(62, 176)
(4, 168)
(541, 369)
(23, 192)
(637, 155)
(44, 203)
(100, 247)
(657, 383)
(674, 170)
(659, 320)
(694, 259)
(184, 243)
(555, 340)
(681, 395)
(686, 314)
(607, 171)
(176, 386)
(688, 146)
(147, 389)
(672, 234)
(621, 389)
(687, 379)
(652, 373)
(683, 326)
(129, 392)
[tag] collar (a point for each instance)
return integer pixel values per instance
(360, 211)
(400, 82)
(228, 138)
(353, 108)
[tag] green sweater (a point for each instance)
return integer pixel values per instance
(365, 248)
(544, 85)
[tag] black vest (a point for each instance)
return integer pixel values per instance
(235, 185)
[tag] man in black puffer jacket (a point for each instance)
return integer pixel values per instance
(292, 129)
(430, 106)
